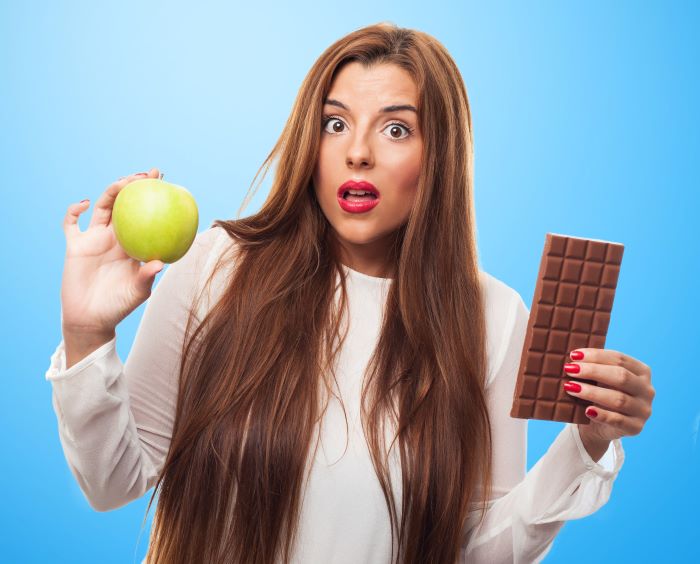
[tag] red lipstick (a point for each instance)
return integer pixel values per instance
(356, 203)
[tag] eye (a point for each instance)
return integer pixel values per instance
(327, 119)
(399, 125)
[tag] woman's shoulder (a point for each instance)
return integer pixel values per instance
(190, 275)
(505, 310)
(209, 245)
(499, 297)
(210, 238)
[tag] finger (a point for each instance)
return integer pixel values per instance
(102, 214)
(624, 424)
(146, 275)
(607, 376)
(70, 220)
(615, 358)
(613, 400)
(153, 173)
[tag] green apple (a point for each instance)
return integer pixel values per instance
(155, 220)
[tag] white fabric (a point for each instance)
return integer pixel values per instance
(115, 422)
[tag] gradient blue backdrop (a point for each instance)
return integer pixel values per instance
(585, 123)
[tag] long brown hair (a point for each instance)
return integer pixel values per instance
(250, 394)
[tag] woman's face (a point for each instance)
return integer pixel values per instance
(363, 141)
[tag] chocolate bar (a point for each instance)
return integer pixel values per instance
(570, 309)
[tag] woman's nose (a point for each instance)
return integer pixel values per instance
(359, 153)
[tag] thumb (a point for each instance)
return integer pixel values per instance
(147, 274)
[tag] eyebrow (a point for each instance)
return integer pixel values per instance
(387, 109)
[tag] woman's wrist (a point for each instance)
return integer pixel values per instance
(595, 446)
(77, 347)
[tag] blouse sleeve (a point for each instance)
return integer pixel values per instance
(528, 509)
(115, 420)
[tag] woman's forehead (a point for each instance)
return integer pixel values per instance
(386, 84)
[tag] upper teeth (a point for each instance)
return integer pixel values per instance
(359, 192)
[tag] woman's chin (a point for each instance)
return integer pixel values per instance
(358, 237)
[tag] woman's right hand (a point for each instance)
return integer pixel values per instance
(101, 283)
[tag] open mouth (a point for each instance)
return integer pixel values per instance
(358, 196)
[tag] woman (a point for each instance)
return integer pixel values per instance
(316, 383)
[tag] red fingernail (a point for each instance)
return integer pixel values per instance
(573, 368)
(576, 355)
(572, 387)
(83, 201)
(591, 412)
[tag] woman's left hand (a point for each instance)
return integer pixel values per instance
(621, 400)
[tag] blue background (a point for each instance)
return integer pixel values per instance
(585, 123)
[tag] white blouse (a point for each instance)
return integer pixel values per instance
(115, 422)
